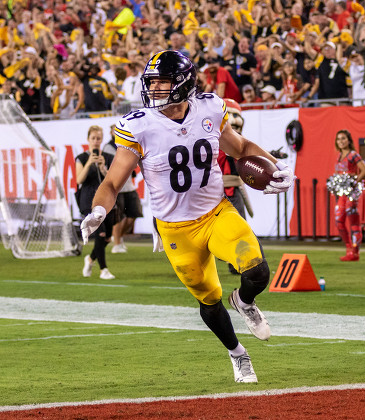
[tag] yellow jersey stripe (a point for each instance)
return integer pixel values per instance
(123, 133)
(129, 144)
(225, 117)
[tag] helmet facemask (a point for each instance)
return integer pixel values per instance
(161, 99)
(172, 66)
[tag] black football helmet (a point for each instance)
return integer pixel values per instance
(170, 65)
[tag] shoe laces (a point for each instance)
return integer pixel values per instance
(253, 313)
(243, 364)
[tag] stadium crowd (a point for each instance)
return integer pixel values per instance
(68, 57)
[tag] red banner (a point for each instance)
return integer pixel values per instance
(316, 160)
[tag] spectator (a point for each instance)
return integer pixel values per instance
(273, 66)
(9, 87)
(91, 168)
(97, 92)
(228, 59)
(292, 84)
(71, 98)
(177, 43)
(332, 78)
(29, 80)
(128, 205)
(132, 86)
(357, 75)
(284, 28)
(166, 25)
(343, 15)
(268, 94)
(219, 80)
(218, 44)
(117, 88)
(262, 56)
(291, 43)
(264, 21)
(145, 50)
(249, 97)
(245, 63)
(309, 74)
(51, 89)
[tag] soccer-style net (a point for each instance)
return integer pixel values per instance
(35, 220)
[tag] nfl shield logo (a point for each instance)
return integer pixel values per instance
(207, 125)
(173, 245)
(184, 131)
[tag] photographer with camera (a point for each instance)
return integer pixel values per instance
(91, 168)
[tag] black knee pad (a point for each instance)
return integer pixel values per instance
(254, 281)
(259, 275)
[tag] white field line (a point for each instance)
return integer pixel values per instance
(66, 283)
(56, 337)
(190, 397)
(323, 326)
(183, 288)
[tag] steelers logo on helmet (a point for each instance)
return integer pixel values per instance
(173, 66)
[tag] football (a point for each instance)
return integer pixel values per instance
(256, 171)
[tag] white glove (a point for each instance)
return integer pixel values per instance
(91, 222)
(287, 176)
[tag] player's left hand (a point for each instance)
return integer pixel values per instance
(285, 179)
(91, 222)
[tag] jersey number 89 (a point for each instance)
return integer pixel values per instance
(179, 159)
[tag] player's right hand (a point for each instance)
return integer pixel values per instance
(91, 222)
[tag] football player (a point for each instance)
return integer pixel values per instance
(175, 139)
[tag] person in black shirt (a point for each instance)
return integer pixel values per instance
(331, 81)
(245, 63)
(91, 168)
(228, 59)
(332, 77)
(306, 69)
(98, 96)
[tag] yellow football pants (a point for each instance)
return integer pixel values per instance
(191, 246)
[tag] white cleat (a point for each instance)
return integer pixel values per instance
(88, 266)
(119, 249)
(243, 370)
(254, 318)
(105, 274)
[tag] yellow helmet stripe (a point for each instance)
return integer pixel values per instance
(154, 59)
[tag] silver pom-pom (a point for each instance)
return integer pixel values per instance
(344, 184)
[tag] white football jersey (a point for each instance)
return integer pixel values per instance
(178, 161)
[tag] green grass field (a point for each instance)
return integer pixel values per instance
(54, 361)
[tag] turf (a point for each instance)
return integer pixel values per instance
(59, 361)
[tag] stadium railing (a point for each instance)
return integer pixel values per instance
(126, 106)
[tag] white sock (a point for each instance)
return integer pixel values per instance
(242, 304)
(238, 351)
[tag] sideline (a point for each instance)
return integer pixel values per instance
(294, 324)
(190, 397)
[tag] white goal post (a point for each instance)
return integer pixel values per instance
(35, 219)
